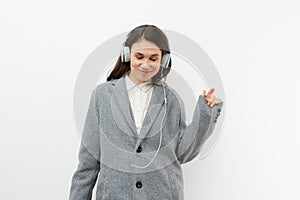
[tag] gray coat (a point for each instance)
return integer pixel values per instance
(111, 149)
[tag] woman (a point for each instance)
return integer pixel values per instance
(135, 138)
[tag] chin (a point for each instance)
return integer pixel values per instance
(145, 79)
(142, 76)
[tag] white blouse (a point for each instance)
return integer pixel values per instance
(139, 96)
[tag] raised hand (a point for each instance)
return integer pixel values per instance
(211, 99)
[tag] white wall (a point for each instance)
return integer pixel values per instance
(254, 45)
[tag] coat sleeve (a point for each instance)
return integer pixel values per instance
(85, 176)
(192, 136)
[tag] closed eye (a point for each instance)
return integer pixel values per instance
(140, 56)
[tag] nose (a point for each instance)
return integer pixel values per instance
(145, 64)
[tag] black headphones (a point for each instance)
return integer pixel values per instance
(125, 57)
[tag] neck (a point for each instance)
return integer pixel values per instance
(135, 81)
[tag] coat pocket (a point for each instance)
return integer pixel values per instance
(112, 184)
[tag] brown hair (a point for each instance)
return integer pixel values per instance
(147, 32)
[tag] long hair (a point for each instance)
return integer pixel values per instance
(148, 32)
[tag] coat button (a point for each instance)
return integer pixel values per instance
(215, 121)
(139, 149)
(138, 184)
(219, 110)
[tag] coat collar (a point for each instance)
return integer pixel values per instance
(121, 98)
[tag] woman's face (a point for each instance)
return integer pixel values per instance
(145, 59)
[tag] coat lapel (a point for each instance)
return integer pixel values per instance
(121, 96)
(153, 110)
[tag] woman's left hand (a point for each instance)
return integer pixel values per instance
(211, 99)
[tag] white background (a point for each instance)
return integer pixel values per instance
(254, 44)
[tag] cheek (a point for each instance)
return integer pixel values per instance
(135, 63)
(157, 69)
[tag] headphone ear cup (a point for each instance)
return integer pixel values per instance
(125, 54)
(165, 60)
(164, 67)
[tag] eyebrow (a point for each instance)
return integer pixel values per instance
(143, 54)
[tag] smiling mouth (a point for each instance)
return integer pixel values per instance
(143, 71)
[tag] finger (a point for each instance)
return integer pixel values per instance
(212, 105)
(209, 102)
(218, 101)
(215, 100)
(212, 99)
(211, 91)
(204, 93)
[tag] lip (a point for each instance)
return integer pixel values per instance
(143, 71)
